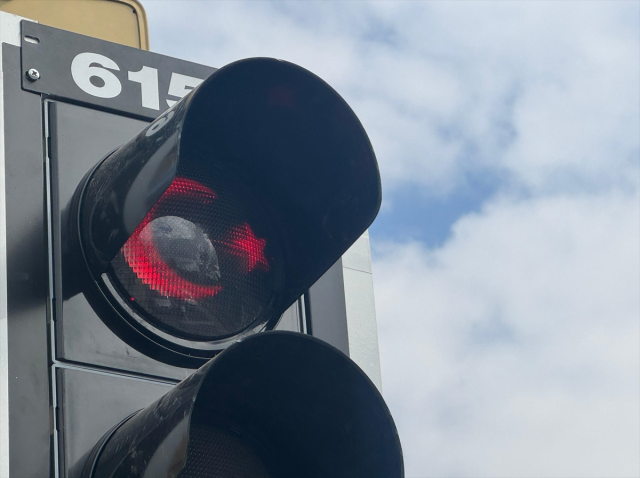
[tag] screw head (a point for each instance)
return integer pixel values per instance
(33, 74)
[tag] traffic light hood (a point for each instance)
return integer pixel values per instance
(279, 130)
(274, 405)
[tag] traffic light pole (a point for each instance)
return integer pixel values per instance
(65, 376)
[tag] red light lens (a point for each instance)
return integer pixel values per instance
(142, 254)
(244, 244)
(195, 266)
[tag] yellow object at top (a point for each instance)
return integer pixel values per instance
(118, 21)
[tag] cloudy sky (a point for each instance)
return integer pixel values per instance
(506, 255)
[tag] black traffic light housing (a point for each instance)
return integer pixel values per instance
(295, 165)
(275, 405)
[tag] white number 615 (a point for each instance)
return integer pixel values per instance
(86, 66)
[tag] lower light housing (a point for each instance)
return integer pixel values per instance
(274, 405)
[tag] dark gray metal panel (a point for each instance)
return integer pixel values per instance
(327, 309)
(55, 67)
(27, 276)
(80, 137)
(86, 340)
(91, 403)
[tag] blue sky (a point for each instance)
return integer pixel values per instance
(506, 256)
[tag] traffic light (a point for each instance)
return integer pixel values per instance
(214, 219)
(177, 249)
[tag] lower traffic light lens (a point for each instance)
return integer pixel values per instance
(200, 266)
(216, 452)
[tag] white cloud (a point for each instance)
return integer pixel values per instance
(513, 350)
(525, 87)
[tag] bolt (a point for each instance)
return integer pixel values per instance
(33, 74)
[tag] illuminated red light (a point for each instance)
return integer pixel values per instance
(151, 269)
(146, 263)
(247, 246)
(144, 259)
(187, 188)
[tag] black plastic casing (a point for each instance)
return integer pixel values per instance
(300, 404)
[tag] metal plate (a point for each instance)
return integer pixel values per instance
(110, 76)
(91, 403)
